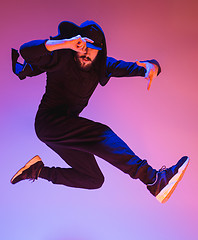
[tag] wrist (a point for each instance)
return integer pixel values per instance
(52, 45)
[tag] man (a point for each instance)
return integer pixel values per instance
(75, 62)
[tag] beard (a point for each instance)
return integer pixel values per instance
(84, 66)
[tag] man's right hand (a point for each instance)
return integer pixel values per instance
(76, 43)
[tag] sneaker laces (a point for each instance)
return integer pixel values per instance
(33, 179)
(163, 168)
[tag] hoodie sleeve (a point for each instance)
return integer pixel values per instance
(120, 68)
(36, 54)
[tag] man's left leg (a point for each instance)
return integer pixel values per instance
(161, 184)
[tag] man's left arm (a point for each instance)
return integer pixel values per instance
(119, 68)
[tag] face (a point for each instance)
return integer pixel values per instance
(85, 60)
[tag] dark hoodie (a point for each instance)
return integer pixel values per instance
(68, 87)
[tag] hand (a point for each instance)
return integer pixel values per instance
(78, 43)
(151, 71)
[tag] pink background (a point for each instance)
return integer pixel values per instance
(160, 125)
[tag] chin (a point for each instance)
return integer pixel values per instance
(84, 67)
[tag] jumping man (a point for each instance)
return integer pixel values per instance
(75, 62)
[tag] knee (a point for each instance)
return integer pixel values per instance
(97, 182)
(40, 136)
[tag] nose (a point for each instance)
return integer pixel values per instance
(86, 50)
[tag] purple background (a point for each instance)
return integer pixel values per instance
(160, 125)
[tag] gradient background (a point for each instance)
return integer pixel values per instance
(160, 125)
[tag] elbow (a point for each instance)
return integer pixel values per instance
(29, 49)
(24, 51)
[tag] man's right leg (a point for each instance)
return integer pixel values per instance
(83, 173)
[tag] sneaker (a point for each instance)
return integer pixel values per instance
(30, 171)
(167, 180)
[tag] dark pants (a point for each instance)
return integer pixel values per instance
(76, 140)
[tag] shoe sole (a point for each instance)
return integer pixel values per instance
(27, 165)
(166, 192)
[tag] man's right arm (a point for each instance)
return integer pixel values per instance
(37, 59)
(40, 56)
(39, 52)
(76, 43)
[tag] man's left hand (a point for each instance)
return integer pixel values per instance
(151, 71)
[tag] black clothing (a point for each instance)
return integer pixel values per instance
(67, 85)
(74, 138)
